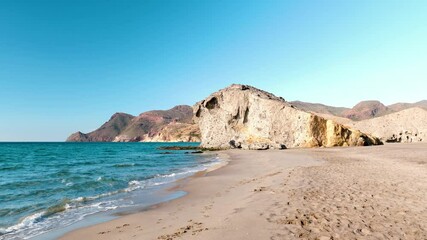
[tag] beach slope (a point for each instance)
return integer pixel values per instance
(375, 192)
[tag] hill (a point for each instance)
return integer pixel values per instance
(319, 108)
(402, 106)
(409, 125)
(400, 122)
(366, 110)
(361, 111)
(242, 116)
(174, 124)
(107, 132)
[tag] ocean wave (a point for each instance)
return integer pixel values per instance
(62, 172)
(65, 213)
(123, 165)
(156, 180)
(9, 211)
(60, 207)
(24, 223)
(68, 211)
(91, 198)
(22, 184)
(10, 168)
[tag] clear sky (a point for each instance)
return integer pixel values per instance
(69, 65)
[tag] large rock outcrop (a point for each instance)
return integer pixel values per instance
(173, 125)
(407, 126)
(176, 132)
(245, 117)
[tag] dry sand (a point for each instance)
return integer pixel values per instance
(338, 193)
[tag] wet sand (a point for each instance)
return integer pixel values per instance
(336, 193)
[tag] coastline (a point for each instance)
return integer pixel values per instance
(218, 178)
(158, 193)
(297, 193)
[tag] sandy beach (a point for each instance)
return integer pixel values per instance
(375, 192)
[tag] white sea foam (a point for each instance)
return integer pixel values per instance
(26, 222)
(37, 224)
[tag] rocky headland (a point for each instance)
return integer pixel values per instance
(245, 117)
(242, 116)
(173, 125)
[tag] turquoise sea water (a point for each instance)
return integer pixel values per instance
(45, 186)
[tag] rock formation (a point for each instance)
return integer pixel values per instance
(361, 111)
(242, 116)
(173, 125)
(409, 125)
(176, 132)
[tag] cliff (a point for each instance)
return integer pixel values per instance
(409, 125)
(173, 125)
(245, 117)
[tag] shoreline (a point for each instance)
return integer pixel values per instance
(163, 194)
(190, 185)
(323, 193)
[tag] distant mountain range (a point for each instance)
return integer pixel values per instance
(401, 122)
(361, 111)
(408, 125)
(173, 125)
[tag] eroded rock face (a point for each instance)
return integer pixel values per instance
(407, 126)
(173, 132)
(245, 117)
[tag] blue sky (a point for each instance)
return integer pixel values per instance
(69, 65)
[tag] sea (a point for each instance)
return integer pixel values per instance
(46, 187)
